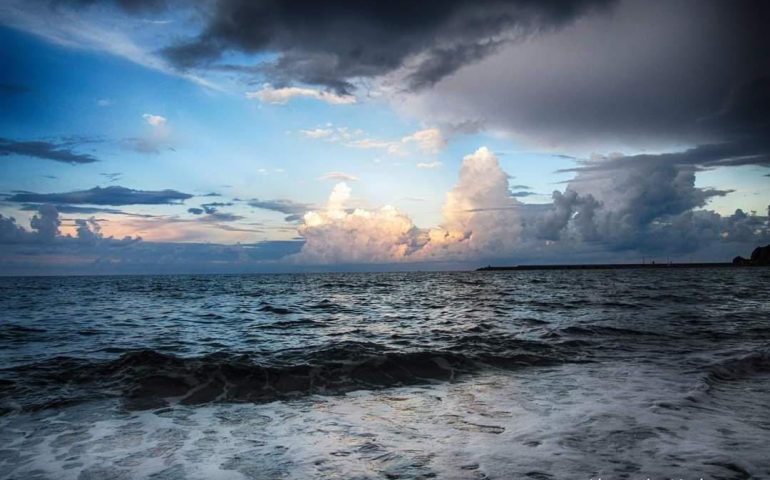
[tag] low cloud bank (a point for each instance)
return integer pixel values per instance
(614, 209)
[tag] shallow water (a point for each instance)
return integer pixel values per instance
(556, 374)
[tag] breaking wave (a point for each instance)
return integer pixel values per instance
(150, 379)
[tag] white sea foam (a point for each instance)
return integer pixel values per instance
(567, 421)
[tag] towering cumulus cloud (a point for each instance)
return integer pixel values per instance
(612, 205)
(480, 215)
(338, 234)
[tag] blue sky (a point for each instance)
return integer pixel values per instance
(94, 81)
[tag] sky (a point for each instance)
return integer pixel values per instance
(228, 136)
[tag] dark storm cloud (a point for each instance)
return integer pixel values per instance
(104, 196)
(333, 42)
(645, 206)
(653, 75)
(753, 151)
(58, 152)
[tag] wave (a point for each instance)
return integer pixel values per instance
(21, 334)
(150, 379)
(590, 330)
(735, 369)
(729, 371)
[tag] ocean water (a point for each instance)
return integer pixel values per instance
(628, 374)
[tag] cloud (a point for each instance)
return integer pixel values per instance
(429, 141)
(44, 227)
(480, 216)
(477, 219)
(336, 235)
(280, 96)
(213, 206)
(607, 82)
(62, 208)
(522, 193)
(104, 102)
(292, 210)
(88, 230)
(195, 211)
(392, 147)
(157, 139)
(604, 213)
(112, 176)
(429, 165)
(339, 177)
(154, 120)
(317, 133)
(60, 23)
(44, 150)
(113, 195)
(215, 217)
(336, 43)
(42, 249)
(44, 230)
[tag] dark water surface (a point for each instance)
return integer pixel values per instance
(551, 374)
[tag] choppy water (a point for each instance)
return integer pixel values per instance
(553, 374)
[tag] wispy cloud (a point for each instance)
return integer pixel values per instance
(114, 195)
(429, 165)
(338, 177)
(427, 141)
(58, 152)
(73, 29)
(293, 210)
(280, 96)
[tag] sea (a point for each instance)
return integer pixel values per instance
(558, 374)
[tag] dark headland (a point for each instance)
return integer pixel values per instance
(759, 257)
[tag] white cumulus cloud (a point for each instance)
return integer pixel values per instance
(479, 214)
(337, 234)
(155, 120)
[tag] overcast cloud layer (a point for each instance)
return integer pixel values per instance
(643, 74)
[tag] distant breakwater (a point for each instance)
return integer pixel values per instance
(609, 266)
